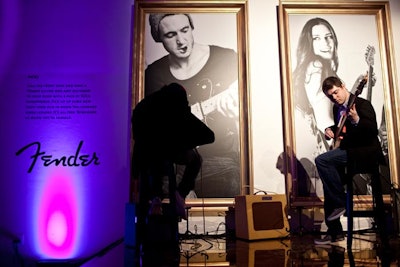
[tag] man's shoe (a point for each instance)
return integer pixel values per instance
(336, 213)
(327, 240)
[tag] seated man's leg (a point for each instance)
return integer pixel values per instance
(335, 229)
(155, 186)
(192, 161)
(328, 165)
(157, 172)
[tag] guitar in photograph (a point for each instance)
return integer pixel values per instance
(204, 108)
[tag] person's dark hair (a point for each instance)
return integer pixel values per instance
(305, 52)
(305, 55)
(154, 20)
(330, 82)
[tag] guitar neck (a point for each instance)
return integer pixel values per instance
(369, 92)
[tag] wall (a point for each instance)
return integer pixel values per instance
(83, 49)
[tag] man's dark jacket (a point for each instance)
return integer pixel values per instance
(361, 140)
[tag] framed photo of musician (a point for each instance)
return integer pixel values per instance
(314, 39)
(179, 42)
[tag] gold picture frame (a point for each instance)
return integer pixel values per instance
(236, 10)
(357, 25)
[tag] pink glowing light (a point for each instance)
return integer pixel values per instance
(57, 229)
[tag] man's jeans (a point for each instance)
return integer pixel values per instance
(329, 165)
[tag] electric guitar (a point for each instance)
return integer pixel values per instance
(369, 57)
(340, 127)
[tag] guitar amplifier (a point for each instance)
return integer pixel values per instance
(261, 217)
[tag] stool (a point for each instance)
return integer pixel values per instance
(169, 216)
(378, 206)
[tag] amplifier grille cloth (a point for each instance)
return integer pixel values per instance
(267, 215)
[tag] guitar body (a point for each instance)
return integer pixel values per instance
(338, 139)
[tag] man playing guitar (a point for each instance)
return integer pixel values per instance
(358, 142)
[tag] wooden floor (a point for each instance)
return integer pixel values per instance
(211, 241)
(219, 247)
(295, 250)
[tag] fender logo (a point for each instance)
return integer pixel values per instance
(75, 160)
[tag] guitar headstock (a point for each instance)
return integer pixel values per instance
(369, 55)
(361, 85)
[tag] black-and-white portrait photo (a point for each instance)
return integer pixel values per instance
(190, 50)
(321, 46)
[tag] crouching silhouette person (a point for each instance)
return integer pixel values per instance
(165, 133)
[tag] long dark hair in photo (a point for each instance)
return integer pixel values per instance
(305, 56)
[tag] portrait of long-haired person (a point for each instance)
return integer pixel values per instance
(316, 59)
